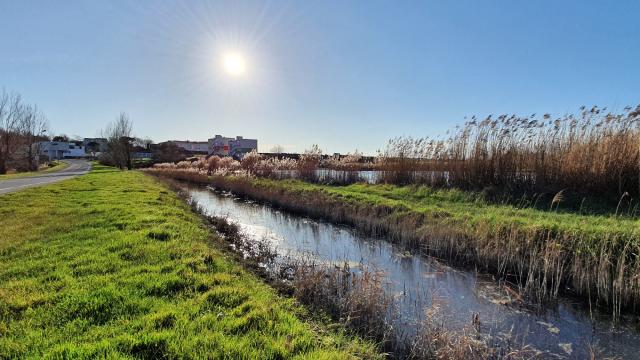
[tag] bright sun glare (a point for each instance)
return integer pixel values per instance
(234, 64)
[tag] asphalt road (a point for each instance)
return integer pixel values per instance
(75, 168)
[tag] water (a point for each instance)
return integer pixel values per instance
(564, 331)
(368, 176)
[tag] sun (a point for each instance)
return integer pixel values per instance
(234, 64)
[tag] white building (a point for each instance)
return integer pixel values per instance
(224, 146)
(61, 149)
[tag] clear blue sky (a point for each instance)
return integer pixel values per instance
(342, 74)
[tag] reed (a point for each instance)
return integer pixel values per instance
(594, 153)
(357, 299)
(591, 158)
(308, 163)
(543, 257)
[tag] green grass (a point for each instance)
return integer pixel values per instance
(59, 165)
(468, 209)
(113, 265)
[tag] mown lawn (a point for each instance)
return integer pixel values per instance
(113, 265)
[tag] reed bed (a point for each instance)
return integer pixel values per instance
(585, 161)
(576, 164)
(594, 154)
(358, 300)
(598, 264)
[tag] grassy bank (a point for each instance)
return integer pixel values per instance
(57, 166)
(113, 265)
(596, 256)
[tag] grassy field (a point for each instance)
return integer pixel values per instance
(113, 265)
(59, 165)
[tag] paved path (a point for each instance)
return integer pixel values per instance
(75, 168)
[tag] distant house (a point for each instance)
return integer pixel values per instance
(56, 150)
(224, 146)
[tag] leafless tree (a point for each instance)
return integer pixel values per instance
(144, 143)
(10, 109)
(32, 127)
(22, 127)
(120, 141)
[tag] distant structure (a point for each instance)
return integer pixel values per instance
(192, 147)
(224, 146)
(217, 145)
(56, 150)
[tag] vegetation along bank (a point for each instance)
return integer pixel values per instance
(547, 251)
(114, 265)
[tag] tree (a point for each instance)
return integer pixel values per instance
(168, 152)
(10, 107)
(32, 128)
(120, 141)
(22, 127)
(61, 138)
(145, 143)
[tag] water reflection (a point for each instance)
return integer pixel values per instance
(419, 282)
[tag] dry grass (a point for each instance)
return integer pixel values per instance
(357, 299)
(586, 163)
(592, 154)
(544, 252)
(592, 159)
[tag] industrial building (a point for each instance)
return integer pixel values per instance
(235, 147)
(218, 145)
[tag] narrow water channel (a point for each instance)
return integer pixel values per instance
(564, 331)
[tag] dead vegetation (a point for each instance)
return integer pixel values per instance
(357, 299)
(593, 155)
(567, 164)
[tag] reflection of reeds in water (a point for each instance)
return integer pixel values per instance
(358, 300)
(434, 341)
(541, 260)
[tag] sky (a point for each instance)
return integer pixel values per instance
(345, 75)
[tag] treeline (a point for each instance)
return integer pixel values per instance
(22, 127)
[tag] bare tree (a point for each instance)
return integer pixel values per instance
(10, 108)
(120, 141)
(32, 128)
(144, 143)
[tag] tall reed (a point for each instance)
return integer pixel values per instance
(595, 153)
